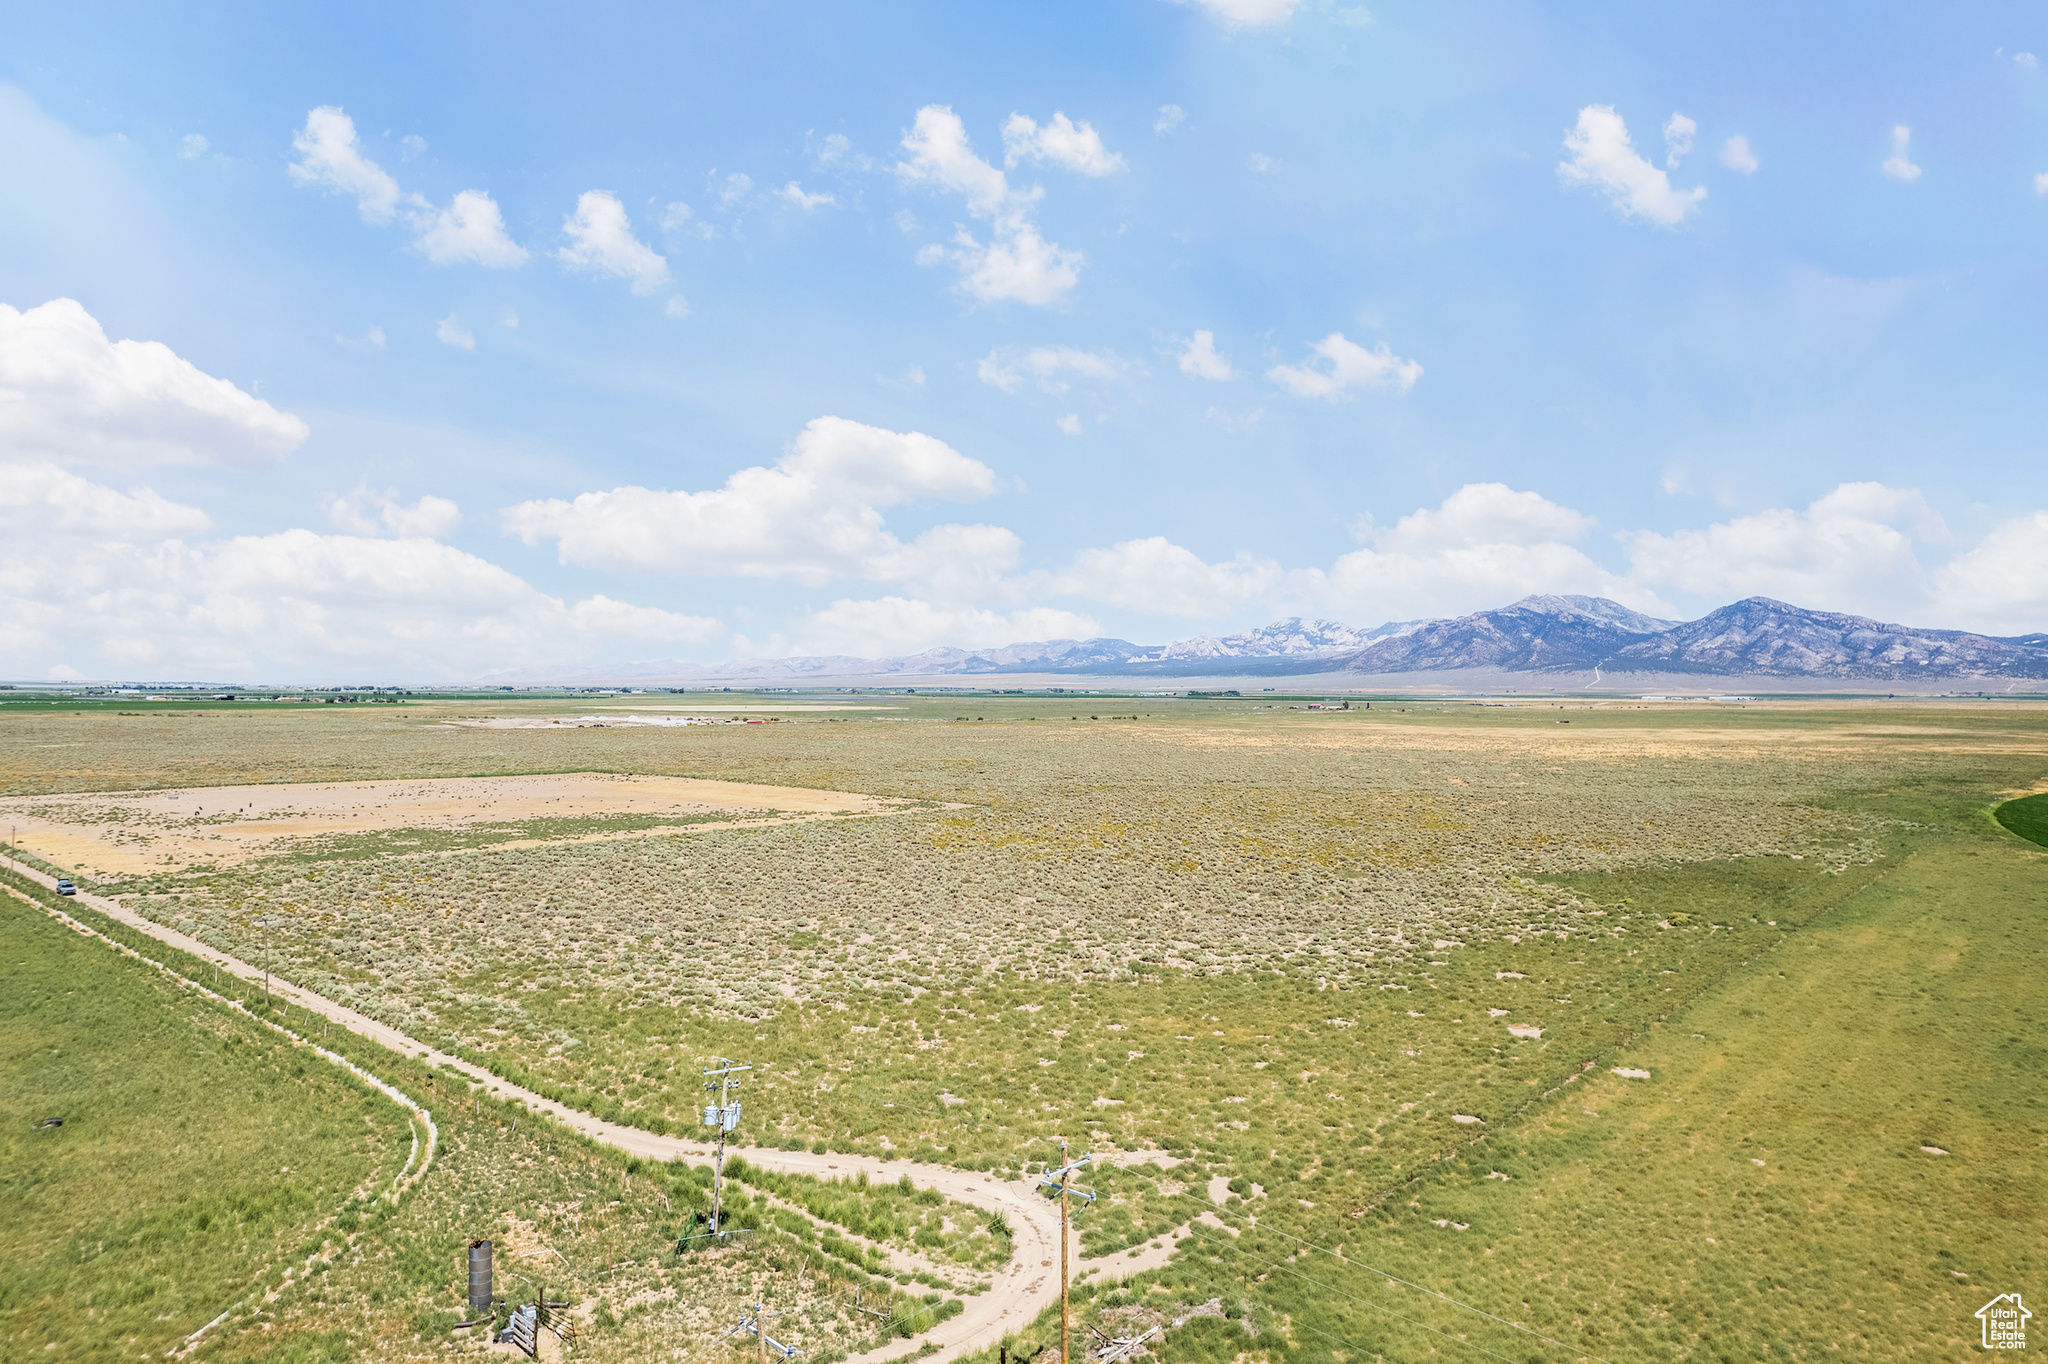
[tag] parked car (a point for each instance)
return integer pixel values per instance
(66, 888)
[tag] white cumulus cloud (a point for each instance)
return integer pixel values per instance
(1171, 116)
(1899, 165)
(793, 193)
(453, 333)
(368, 512)
(2000, 584)
(1737, 156)
(1850, 550)
(1199, 358)
(940, 153)
(41, 499)
(111, 584)
(1678, 135)
(815, 515)
(1153, 574)
(1051, 367)
(1063, 142)
(601, 241)
(1862, 547)
(193, 145)
(1486, 545)
(1346, 365)
(1069, 425)
(70, 395)
(1017, 264)
(331, 157)
(470, 229)
(902, 625)
(1603, 158)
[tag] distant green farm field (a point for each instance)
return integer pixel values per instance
(2027, 817)
(198, 1149)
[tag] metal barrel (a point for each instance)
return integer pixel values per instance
(479, 1277)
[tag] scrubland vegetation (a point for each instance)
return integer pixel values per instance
(1372, 972)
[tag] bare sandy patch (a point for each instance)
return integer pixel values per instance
(114, 834)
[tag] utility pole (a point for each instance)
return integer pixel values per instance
(265, 924)
(724, 1115)
(1061, 1179)
(759, 1326)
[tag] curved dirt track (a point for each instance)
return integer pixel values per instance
(1020, 1291)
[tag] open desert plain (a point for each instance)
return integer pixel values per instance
(1545, 1031)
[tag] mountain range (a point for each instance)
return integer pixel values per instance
(1544, 635)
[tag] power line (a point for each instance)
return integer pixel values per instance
(1391, 1278)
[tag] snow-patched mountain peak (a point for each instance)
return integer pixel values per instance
(1598, 608)
(1283, 637)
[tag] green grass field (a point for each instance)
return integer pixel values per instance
(1767, 1192)
(198, 1149)
(2027, 817)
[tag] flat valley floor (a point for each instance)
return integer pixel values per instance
(1560, 1030)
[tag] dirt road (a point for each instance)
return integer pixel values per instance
(1020, 1291)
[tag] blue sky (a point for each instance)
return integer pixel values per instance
(501, 336)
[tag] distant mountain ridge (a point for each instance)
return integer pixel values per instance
(1544, 634)
(1536, 634)
(1768, 638)
(1283, 637)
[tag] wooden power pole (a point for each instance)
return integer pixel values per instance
(1061, 1180)
(725, 1115)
